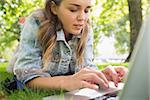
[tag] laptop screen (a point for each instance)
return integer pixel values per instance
(136, 86)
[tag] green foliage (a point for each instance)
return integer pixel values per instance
(10, 12)
(145, 7)
(112, 21)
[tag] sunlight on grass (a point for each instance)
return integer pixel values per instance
(103, 65)
(3, 66)
(26, 94)
(3, 73)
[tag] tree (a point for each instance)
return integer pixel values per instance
(112, 21)
(10, 12)
(123, 19)
(135, 17)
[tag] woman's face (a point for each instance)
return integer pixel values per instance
(73, 14)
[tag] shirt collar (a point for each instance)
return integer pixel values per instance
(61, 35)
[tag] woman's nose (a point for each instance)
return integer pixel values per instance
(82, 16)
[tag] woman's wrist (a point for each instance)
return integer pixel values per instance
(64, 80)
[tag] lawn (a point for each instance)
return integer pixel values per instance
(28, 94)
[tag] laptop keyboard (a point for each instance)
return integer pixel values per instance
(111, 96)
(106, 98)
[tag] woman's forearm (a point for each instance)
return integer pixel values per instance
(48, 82)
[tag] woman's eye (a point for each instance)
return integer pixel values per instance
(86, 11)
(73, 10)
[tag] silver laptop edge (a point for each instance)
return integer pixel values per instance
(137, 83)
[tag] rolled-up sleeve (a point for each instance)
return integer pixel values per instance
(88, 56)
(29, 57)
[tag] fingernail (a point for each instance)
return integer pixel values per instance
(116, 84)
(119, 79)
(96, 87)
(106, 85)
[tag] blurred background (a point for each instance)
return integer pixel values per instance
(115, 23)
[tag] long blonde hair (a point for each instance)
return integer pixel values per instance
(49, 25)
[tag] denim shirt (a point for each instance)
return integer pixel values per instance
(29, 56)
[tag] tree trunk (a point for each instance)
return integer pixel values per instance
(135, 18)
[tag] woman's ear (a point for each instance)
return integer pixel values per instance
(54, 8)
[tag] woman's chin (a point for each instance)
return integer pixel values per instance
(76, 32)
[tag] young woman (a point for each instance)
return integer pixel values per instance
(55, 49)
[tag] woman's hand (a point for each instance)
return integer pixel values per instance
(115, 73)
(85, 78)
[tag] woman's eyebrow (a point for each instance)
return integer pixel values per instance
(78, 5)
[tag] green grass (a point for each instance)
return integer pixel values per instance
(28, 94)
(103, 65)
(3, 73)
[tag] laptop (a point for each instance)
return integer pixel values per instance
(137, 83)
(136, 86)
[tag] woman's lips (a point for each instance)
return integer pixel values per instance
(78, 26)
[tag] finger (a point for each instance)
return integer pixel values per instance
(89, 85)
(99, 73)
(112, 74)
(115, 77)
(85, 70)
(122, 71)
(94, 78)
(107, 76)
